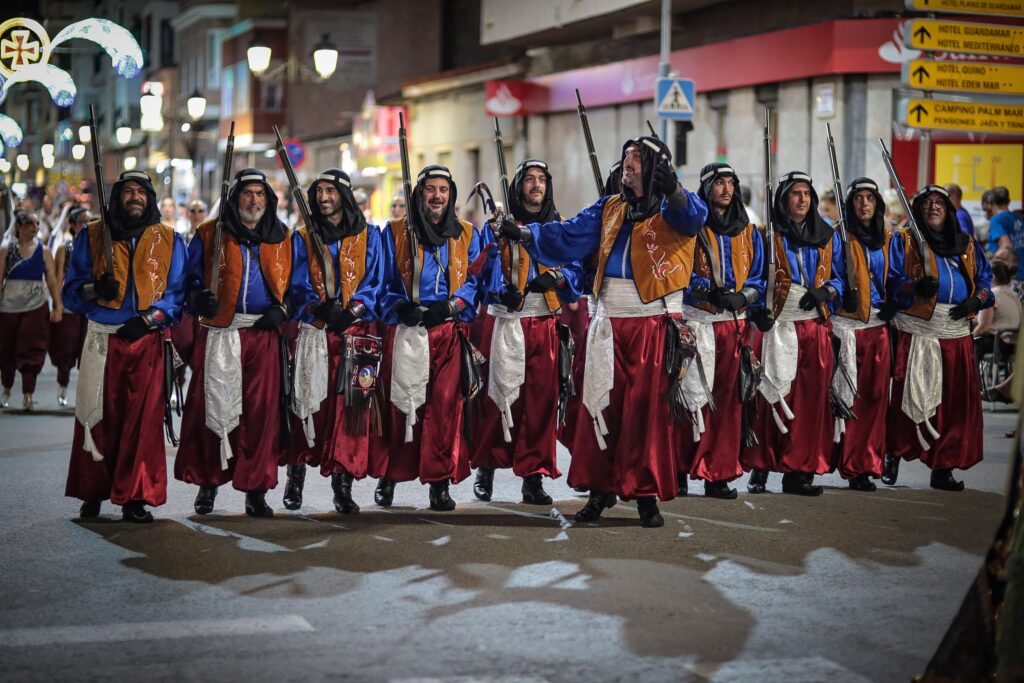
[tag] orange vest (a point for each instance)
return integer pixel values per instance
(351, 258)
(458, 255)
(275, 264)
(915, 270)
(862, 278)
(524, 273)
(661, 256)
(149, 265)
(783, 278)
(741, 258)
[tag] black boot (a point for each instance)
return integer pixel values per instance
(683, 480)
(943, 480)
(596, 504)
(483, 487)
(758, 481)
(341, 483)
(135, 511)
(862, 482)
(800, 484)
(384, 493)
(90, 509)
(719, 489)
(650, 517)
(890, 469)
(293, 487)
(204, 499)
(439, 498)
(533, 491)
(256, 504)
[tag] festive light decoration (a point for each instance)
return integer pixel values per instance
(25, 50)
(78, 152)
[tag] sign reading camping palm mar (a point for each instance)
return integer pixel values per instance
(956, 36)
(1001, 8)
(980, 77)
(988, 117)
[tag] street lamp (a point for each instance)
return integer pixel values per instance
(325, 58)
(196, 105)
(78, 152)
(46, 150)
(123, 135)
(48, 162)
(258, 56)
(22, 162)
(151, 104)
(129, 163)
(325, 61)
(85, 134)
(5, 166)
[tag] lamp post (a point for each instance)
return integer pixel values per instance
(325, 62)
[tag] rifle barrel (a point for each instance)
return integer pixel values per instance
(213, 279)
(108, 246)
(915, 229)
(595, 167)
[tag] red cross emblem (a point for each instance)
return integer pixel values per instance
(20, 49)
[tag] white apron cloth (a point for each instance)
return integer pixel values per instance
(508, 355)
(222, 375)
(695, 397)
(846, 329)
(311, 368)
(922, 390)
(20, 296)
(780, 356)
(410, 372)
(618, 299)
(89, 392)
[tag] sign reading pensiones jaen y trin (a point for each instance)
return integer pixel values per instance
(987, 117)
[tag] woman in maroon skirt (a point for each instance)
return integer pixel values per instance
(67, 335)
(25, 316)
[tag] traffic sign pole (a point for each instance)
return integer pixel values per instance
(666, 50)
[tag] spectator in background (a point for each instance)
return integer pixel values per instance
(196, 214)
(363, 201)
(398, 206)
(828, 208)
(956, 196)
(1004, 316)
(895, 216)
(752, 213)
(1005, 229)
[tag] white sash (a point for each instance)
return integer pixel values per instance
(618, 299)
(780, 355)
(410, 372)
(311, 368)
(222, 375)
(20, 296)
(922, 390)
(846, 329)
(89, 392)
(695, 397)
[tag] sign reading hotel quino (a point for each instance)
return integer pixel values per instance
(953, 36)
(973, 77)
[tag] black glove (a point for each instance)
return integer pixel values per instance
(814, 296)
(761, 318)
(665, 181)
(888, 311)
(725, 300)
(510, 230)
(329, 312)
(135, 328)
(106, 287)
(970, 305)
(437, 314)
(343, 322)
(511, 299)
(926, 287)
(272, 318)
(545, 281)
(205, 303)
(850, 300)
(409, 313)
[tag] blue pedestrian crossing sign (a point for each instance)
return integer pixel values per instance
(674, 98)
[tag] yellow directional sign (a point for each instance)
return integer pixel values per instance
(988, 117)
(996, 8)
(957, 36)
(988, 77)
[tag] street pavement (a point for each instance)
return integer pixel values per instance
(846, 587)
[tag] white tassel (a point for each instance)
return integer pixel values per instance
(785, 409)
(89, 444)
(506, 423)
(931, 430)
(920, 438)
(225, 450)
(601, 443)
(696, 434)
(701, 427)
(410, 420)
(838, 427)
(310, 431)
(778, 421)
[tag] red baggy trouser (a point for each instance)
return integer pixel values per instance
(807, 447)
(183, 334)
(534, 413)
(337, 449)
(863, 444)
(958, 419)
(24, 338)
(438, 451)
(579, 323)
(66, 339)
(716, 457)
(257, 440)
(131, 434)
(640, 457)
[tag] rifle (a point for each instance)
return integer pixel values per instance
(844, 219)
(326, 265)
(513, 249)
(653, 133)
(213, 279)
(108, 246)
(915, 230)
(410, 212)
(594, 166)
(769, 226)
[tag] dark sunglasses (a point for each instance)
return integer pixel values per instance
(197, 210)
(398, 206)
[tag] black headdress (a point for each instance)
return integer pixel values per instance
(951, 240)
(122, 226)
(871, 236)
(813, 231)
(547, 212)
(735, 219)
(652, 152)
(270, 229)
(448, 226)
(352, 220)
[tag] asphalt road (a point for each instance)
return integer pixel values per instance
(849, 586)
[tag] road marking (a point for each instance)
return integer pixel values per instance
(915, 502)
(473, 679)
(244, 542)
(153, 630)
(717, 522)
